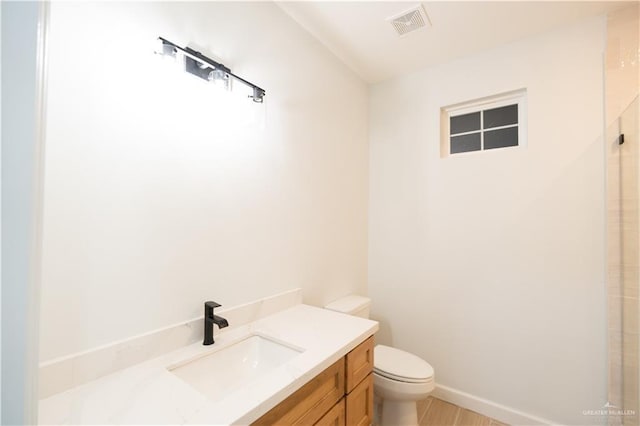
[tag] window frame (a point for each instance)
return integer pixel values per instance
(516, 97)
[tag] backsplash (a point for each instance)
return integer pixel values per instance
(64, 373)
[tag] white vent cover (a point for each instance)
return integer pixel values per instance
(410, 20)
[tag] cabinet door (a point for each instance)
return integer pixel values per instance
(359, 363)
(360, 403)
(335, 416)
(307, 405)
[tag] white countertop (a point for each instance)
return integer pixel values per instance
(148, 393)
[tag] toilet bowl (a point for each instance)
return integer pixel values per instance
(400, 378)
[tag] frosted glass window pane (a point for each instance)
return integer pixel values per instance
(464, 123)
(501, 138)
(502, 116)
(465, 143)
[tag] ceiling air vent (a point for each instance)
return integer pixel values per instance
(410, 20)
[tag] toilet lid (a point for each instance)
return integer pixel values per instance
(400, 365)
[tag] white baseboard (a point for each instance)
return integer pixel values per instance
(488, 408)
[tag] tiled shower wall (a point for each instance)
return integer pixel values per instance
(623, 190)
(629, 153)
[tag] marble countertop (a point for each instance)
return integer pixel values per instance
(148, 393)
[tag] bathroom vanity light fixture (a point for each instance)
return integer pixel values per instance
(206, 68)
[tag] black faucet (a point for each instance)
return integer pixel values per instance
(209, 320)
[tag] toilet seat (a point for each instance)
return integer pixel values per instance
(401, 379)
(401, 366)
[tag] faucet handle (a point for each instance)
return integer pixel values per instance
(211, 304)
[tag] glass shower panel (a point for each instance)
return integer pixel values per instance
(629, 178)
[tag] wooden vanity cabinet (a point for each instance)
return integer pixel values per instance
(342, 395)
(359, 406)
(359, 364)
(335, 416)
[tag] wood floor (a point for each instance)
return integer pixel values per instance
(435, 412)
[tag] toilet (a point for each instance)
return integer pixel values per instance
(400, 379)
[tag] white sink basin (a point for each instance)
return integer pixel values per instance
(221, 372)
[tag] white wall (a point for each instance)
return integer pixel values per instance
(160, 196)
(491, 265)
(21, 202)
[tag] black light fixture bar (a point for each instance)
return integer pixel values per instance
(193, 65)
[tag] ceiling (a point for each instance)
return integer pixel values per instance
(357, 32)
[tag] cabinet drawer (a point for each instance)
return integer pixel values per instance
(335, 416)
(359, 363)
(309, 403)
(360, 403)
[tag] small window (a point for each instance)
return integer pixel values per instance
(484, 124)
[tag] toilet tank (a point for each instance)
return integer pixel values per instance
(352, 305)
